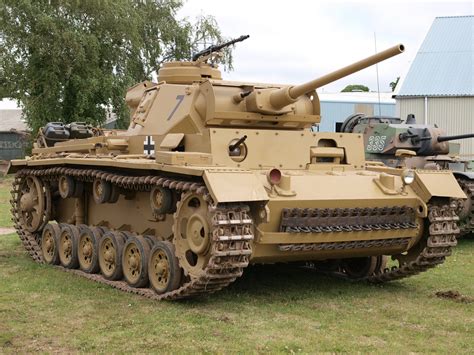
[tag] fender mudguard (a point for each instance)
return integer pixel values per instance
(468, 175)
(233, 186)
(436, 183)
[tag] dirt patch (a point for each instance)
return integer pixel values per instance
(4, 230)
(455, 296)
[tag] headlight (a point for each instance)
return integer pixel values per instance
(408, 176)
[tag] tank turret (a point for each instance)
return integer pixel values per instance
(383, 136)
(191, 96)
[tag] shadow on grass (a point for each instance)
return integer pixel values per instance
(286, 282)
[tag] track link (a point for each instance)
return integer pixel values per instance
(231, 231)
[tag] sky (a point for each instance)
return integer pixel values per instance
(295, 41)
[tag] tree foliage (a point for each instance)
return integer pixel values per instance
(355, 88)
(73, 60)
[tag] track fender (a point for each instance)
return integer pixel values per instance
(468, 175)
(232, 186)
(436, 183)
(14, 166)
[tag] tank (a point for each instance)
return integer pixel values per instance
(214, 175)
(404, 143)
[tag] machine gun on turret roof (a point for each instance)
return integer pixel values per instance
(218, 47)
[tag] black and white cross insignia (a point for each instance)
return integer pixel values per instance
(149, 145)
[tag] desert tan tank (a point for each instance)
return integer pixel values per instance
(213, 175)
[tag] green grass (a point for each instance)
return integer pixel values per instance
(5, 184)
(270, 309)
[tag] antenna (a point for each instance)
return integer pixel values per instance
(377, 70)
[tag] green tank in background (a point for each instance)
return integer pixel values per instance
(405, 143)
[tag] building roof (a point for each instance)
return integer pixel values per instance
(444, 64)
(10, 117)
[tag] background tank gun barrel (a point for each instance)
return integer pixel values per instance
(451, 138)
(218, 47)
(287, 95)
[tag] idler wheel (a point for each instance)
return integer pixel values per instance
(356, 268)
(88, 249)
(164, 272)
(49, 243)
(67, 246)
(136, 254)
(110, 255)
(161, 200)
(101, 191)
(34, 203)
(191, 234)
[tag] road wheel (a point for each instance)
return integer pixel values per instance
(356, 268)
(68, 240)
(136, 254)
(163, 268)
(49, 243)
(88, 249)
(110, 255)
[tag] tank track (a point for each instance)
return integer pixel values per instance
(467, 224)
(363, 244)
(231, 230)
(442, 236)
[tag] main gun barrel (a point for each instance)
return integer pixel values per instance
(287, 95)
(451, 138)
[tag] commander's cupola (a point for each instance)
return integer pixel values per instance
(188, 72)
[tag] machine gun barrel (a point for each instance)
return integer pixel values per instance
(285, 96)
(218, 47)
(450, 138)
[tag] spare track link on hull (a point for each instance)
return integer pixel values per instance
(318, 220)
(228, 258)
(442, 232)
(467, 224)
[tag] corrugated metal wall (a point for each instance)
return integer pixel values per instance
(454, 114)
(333, 112)
(415, 106)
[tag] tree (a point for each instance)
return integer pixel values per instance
(394, 84)
(355, 88)
(72, 60)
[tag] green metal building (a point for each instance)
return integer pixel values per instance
(14, 137)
